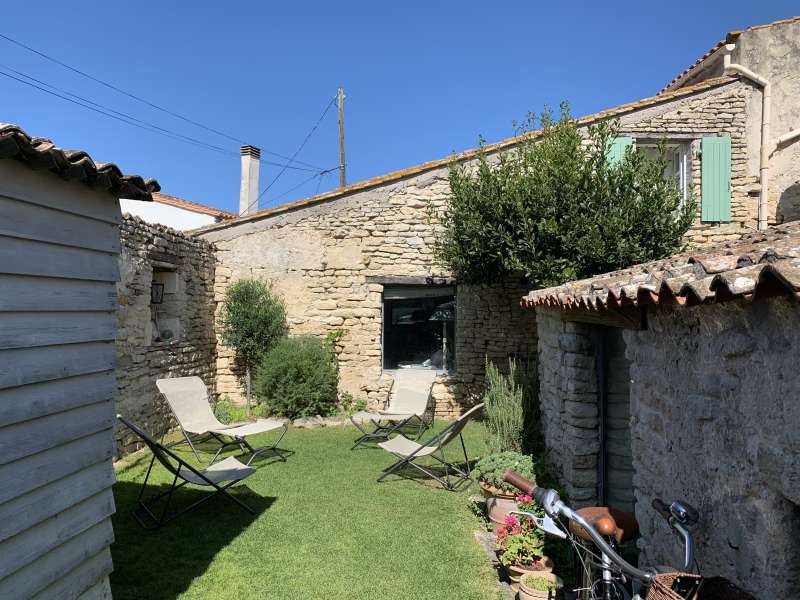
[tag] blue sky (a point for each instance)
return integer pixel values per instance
(423, 79)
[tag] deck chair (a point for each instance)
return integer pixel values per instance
(408, 451)
(219, 476)
(187, 398)
(408, 403)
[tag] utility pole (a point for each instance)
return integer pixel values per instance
(340, 104)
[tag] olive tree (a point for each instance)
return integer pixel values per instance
(559, 206)
(252, 321)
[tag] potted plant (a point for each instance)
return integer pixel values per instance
(499, 494)
(520, 549)
(538, 586)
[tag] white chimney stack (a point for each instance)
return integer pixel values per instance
(248, 191)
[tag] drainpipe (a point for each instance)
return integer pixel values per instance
(766, 91)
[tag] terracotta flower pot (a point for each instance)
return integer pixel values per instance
(528, 593)
(515, 572)
(498, 504)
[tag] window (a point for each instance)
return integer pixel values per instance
(677, 157)
(166, 304)
(419, 327)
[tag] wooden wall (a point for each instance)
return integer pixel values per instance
(59, 243)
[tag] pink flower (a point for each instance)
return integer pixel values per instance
(516, 530)
(502, 532)
(524, 499)
(511, 520)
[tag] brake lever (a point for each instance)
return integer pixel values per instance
(546, 523)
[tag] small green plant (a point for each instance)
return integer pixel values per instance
(298, 378)
(503, 409)
(252, 320)
(228, 412)
(540, 584)
(491, 469)
(350, 405)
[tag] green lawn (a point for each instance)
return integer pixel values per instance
(324, 529)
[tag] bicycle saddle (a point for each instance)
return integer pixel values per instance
(608, 522)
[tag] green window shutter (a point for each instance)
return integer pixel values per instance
(716, 179)
(616, 149)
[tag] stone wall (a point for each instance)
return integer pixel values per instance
(715, 418)
(331, 262)
(187, 264)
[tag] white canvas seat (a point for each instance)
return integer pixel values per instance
(408, 403)
(408, 451)
(187, 398)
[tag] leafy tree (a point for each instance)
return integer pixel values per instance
(557, 208)
(252, 321)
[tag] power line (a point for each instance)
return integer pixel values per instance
(126, 118)
(296, 152)
(143, 100)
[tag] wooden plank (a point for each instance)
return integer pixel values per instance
(22, 366)
(89, 581)
(27, 330)
(35, 222)
(27, 510)
(86, 551)
(22, 293)
(29, 437)
(20, 182)
(26, 257)
(27, 546)
(26, 474)
(40, 399)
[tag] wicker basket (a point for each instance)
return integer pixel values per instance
(661, 584)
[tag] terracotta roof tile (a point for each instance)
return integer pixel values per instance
(41, 153)
(193, 206)
(759, 263)
(467, 154)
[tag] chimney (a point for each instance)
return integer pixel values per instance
(248, 191)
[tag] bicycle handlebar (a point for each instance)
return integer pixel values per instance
(553, 506)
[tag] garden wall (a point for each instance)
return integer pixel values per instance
(146, 351)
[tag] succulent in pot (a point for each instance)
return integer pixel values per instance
(499, 494)
(544, 586)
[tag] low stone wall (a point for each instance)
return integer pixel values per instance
(715, 422)
(187, 265)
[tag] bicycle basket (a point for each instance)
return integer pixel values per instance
(661, 586)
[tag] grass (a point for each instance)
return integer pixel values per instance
(324, 528)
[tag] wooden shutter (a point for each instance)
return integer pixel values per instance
(716, 179)
(616, 149)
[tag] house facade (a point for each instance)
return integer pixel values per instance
(360, 259)
(174, 212)
(59, 243)
(678, 379)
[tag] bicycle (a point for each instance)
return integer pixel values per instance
(594, 533)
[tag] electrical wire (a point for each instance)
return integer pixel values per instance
(143, 100)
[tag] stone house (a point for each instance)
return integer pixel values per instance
(59, 242)
(678, 379)
(174, 212)
(360, 258)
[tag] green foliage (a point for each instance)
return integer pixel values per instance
(540, 584)
(519, 542)
(503, 410)
(349, 405)
(228, 412)
(556, 208)
(298, 378)
(491, 469)
(252, 321)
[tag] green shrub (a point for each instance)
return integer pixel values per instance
(298, 378)
(491, 469)
(503, 409)
(349, 405)
(228, 412)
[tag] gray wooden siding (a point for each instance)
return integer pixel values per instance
(58, 269)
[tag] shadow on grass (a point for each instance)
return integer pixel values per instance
(438, 469)
(177, 553)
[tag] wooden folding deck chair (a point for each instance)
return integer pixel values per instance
(187, 398)
(408, 404)
(219, 476)
(408, 451)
